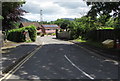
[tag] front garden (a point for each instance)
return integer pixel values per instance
(19, 35)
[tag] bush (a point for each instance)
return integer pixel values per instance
(17, 35)
(53, 33)
(32, 32)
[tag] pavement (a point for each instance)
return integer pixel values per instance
(52, 61)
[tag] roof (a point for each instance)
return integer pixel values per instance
(30, 23)
(50, 26)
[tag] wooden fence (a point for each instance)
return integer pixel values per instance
(101, 35)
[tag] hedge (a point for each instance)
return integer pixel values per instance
(32, 32)
(17, 35)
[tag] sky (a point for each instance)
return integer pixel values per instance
(54, 9)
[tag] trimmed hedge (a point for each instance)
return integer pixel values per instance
(32, 32)
(17, 35)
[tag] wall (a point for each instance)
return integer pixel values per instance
(64, 35)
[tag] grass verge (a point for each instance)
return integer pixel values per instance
(92, 43)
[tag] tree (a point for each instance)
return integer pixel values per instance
(86, 23)
(65, 24)
(110, 22)
(104, 8)
(11, 11)
(102, 20)
(58, 21)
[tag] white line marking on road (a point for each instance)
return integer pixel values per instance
(86, 74)
(10, 73)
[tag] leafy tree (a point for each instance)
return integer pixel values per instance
(105, 8)
(11, 11)
(58, 21)
(86, 23)
(110, 22)
(65, 24)
(102, 20)
(75, 29)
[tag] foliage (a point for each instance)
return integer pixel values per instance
(11, 12)
(15, 25)
(104, 8)
(113, 22)
(103, 28)
(75, 29)
(58, 21)
(102, 20)
(110, 22)
(65, 24)
(28, 41)
(81, 26)
(86, 23)
(1, 17)
(88, 42)
(53, 34)
(32, 32)
(61, 30)
(17, 35)
(79, 39)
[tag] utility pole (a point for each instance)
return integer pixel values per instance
(41, 19)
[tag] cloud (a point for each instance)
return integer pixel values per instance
(33, 17)
(71, 5)
(54, 9)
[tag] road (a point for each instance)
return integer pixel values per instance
(58, 59)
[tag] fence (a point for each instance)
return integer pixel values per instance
(101, 35)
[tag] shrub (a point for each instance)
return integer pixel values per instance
(17, 35)
(61, 30)
(53, 33)
(32, 32)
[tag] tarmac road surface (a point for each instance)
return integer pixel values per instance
(58, 59)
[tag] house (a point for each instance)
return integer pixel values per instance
(38, 26)
(44, 28)
(24, 24)
(50, 28)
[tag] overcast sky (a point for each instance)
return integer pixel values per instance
(54, 9)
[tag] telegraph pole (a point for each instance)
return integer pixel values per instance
(41, 18)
